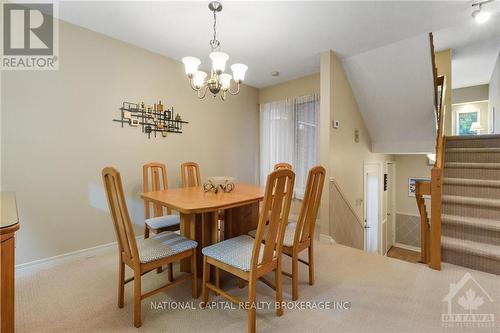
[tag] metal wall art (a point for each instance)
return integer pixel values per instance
(152, 119)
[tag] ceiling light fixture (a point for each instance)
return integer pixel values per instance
(218, 80)
(478, 13)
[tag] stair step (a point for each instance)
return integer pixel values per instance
(474, 150)
(473, 141)
(470, 165)
(472, 182)
(471, 201)
(470, 247)
(473, 155)
(472, 170)
(479, 188)
(472, 137)
(486, 224)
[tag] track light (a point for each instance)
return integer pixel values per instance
(479, 14)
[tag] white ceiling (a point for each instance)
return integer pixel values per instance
(289, 36)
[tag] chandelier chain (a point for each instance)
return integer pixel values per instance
(214, 42)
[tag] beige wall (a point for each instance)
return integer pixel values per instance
(346, 155)
(470, 94)
(443, 64)
(409, 166)
(306, 85)
(57, 135)
(482, 107)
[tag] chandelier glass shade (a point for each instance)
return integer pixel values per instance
(218, 81)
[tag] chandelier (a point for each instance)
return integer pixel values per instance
(218, 82)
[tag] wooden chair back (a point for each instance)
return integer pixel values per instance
(190, 174)
(154, 178)
(275, 209)
(310, 205)
(119, 213)
(283, 165)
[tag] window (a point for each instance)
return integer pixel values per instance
(289, 132)
(465, 120)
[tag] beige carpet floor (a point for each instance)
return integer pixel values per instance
(78, 294)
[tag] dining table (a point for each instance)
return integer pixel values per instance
(201, 210)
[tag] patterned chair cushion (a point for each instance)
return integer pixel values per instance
(236, 252)
(162, 246)
(163, 221)
(289, 234)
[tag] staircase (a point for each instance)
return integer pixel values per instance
(470, 211)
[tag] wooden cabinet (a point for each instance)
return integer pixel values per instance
(8, 226)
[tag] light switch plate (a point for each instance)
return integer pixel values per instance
(335, 124)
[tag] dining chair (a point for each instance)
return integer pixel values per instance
(300, 235)
(147, 254)
(190, 174)
(155, 178)
(249, 259)
(283, 165)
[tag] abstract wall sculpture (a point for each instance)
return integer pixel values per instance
(152, 120)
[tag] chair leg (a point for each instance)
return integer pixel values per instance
(217, 277)
(310, 252)
(170, 272)
(195, 275)
(252, 284)
(279, 290)
(137, 298)
(295, 276)
(206, 274)
(121, 284)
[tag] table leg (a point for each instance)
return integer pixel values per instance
(240, 220)
(203, 229)
(188, 230)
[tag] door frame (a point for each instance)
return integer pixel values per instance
(392, 164)
(380, 171)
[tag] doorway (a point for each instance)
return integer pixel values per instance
(372, 203)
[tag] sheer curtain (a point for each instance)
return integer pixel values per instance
(306, 138)
(289, 133)
(276, 135)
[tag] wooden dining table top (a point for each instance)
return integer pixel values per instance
(192, 200)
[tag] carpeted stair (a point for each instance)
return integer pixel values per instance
(471, 202)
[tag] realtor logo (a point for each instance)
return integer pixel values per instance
(468, 305)
(29, 36)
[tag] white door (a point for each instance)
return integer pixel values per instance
(372, 207)
(391, 209)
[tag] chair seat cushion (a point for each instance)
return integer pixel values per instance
(289, 234)
(162, 246)
(164, 221)
(236, 252)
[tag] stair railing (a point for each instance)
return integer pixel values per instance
(430, 236)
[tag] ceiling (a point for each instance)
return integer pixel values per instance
(289, 36)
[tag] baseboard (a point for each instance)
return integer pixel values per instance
(407, 247)
(326, 239)
(66, 255)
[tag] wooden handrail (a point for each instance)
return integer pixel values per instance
(431, 232)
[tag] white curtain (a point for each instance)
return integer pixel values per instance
(276, 136)
(307, 140)
(289, 133)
